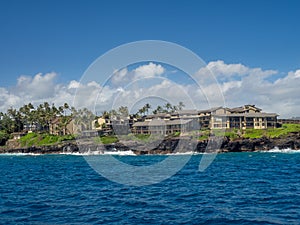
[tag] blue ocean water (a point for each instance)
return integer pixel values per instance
(237, 188)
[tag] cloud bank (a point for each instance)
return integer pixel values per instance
(240, 85)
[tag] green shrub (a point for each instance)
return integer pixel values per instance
(254, 133)
(231, 134)
(43, 139)
(3, 137)
(283, 131)
(106, 139)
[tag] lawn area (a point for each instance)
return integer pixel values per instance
(37, 139)
(254, 133)
(204, 134)
(284, 130)
(106, 139)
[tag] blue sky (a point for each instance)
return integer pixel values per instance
(65, 37)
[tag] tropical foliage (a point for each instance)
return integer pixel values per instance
(39, 118)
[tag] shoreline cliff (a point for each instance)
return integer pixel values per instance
(170, 145)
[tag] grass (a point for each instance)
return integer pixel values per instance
(284, 130)
(43, 139)
(204, 134)
(254, 133)
(272, 132)
(106, 139)
(3, 137)
(231, 134)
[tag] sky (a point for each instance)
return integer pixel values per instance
(252, 48)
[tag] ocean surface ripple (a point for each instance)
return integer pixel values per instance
(238, 188)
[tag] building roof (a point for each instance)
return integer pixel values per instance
(241, 109)
(210, 110)
(161, 123)
(158, 115)
(248, 115)
(141, 124)
(186, 112)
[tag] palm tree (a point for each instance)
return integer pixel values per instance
(159, 109)
(142, 111)
(174, 108)
(105, 114)
(7, 124)
(66, 106)
(147, 107)
(16, 118)
(168, 106)
(180, 105)
(123, 110)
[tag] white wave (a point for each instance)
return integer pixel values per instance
(99, 153)
(20, 154)
(277, 150)
(187, 153)
(119, 153)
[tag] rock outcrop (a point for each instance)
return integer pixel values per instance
(170, 145)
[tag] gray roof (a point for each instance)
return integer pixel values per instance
(140, 124)
(160, 123)
(157, 115)
(210, 110)
(186, 112)
(247, 115)
(243, 108)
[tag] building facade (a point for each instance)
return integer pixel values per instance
(244, 117)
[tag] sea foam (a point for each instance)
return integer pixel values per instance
(285, 150)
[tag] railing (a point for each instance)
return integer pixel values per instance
(288, 121)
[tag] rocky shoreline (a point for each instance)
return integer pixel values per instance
(171, 145)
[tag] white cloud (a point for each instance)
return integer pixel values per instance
(123, 76)
(297, 74)
(120, 76)
(252, 87)
(73, 84)
(38, 86)
(149, 70)
(243, 85)
(220, 68)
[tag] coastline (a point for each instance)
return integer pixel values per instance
(168, 146)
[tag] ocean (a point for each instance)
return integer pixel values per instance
(237, 188)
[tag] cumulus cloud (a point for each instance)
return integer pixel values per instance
(243, 85)
(38, 86)
(73, 84)
(43, 87)
(123, 76)
(222, 72)
(149, 70)
(220, 68)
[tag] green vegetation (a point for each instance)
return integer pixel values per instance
(44, 118)
(284, 130)
(3, 137)
(272, 132)
(253, 133)
(232, 134)
(204, 134)
(43, 139)
(106, 139)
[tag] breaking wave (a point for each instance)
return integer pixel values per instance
(286, 150)
(99, 153)
(20, 154)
